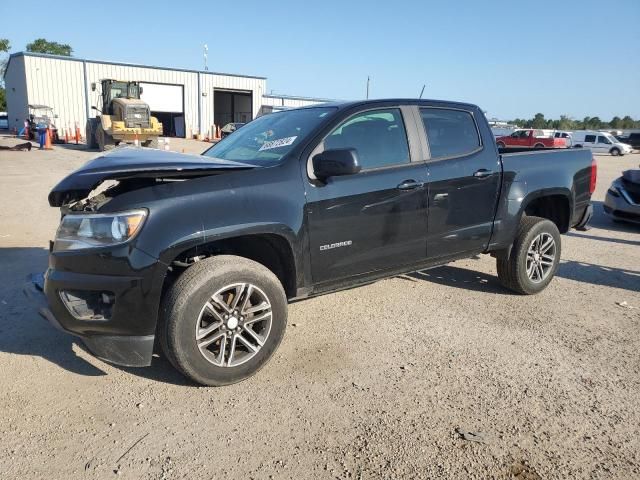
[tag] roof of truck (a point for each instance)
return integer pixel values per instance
(407, 101)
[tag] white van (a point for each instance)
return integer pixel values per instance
(599, 142)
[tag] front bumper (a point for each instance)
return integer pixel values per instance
(125, 350)
(114, 311)
(622, 208)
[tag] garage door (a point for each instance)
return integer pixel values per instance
(166, 104)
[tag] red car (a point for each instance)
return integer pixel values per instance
(530, 138)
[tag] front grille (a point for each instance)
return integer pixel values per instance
(137, 116)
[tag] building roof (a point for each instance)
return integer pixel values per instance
(122, 64)
(295, 97)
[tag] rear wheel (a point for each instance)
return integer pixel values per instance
(223, 319)
(538, 145)
(577, 146)
(534, 257)
(151, 143)
(501, 145)
(104, 140)
(615, 151)
(92, 125)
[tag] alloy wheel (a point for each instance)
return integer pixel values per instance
(541, 257)
(233, 325)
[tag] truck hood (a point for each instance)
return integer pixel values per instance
(131, 162)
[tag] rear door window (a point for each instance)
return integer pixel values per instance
(590, 138)
(379, 137)
(451, 133)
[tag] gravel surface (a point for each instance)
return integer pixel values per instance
(438, 374)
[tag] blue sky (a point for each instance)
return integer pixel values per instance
(512, 58)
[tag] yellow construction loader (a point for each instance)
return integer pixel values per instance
(122, 117)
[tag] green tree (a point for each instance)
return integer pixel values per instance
(627, 122)
(539, 121)
(5, 46)
(40, 45)
(616, 122)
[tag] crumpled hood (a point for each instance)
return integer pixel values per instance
(135, 162)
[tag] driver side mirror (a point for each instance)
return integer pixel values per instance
(93, 86)
(335, 163)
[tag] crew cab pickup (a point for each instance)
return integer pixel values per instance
(530, 139)
(200, 255)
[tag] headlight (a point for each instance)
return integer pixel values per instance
(78, 231)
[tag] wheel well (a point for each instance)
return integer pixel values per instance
(541, 145)
(552, 207)
(272, 251)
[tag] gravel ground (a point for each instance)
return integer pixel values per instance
(431, 375)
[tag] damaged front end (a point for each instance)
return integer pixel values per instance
(100, 285)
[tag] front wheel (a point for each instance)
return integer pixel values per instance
(538, 145)
(501, 145)
(534, 258)
(615, 152)
(223, 319)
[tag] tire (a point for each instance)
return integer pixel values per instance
(615, 151)
(152, 143)
(501, 145)
(577, 146)
(188, 310)
(92, 125)
(538, 145)
(512, 271)
(104, 140)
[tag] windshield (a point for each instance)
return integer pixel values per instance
(267, 139)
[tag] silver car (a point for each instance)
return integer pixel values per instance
(623, 197)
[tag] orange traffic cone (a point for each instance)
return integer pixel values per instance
(47, 141)
(66, 136)
(135, 141)
(77, 135)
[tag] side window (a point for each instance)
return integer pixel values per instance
(602, 139)
(590, 138)
(378, 136)
(450, 132)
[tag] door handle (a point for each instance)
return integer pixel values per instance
(410, 185)
(483, 173)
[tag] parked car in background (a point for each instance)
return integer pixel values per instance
(622, 202)
(295, 204)
(229, 128)
(565, 135)
(4, 120)
(633, 139)
(530, 138)
(599, 142)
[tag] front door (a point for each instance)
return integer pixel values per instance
(375, 219)
(464, 179)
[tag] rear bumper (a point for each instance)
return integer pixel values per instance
(582, 225)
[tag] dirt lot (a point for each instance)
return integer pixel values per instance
(371, 382)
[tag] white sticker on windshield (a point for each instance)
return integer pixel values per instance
(281, 142)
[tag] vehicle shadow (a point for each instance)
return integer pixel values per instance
(458, 277)
(24, 332)
(467, 279)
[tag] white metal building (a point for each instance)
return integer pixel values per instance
(187, 102)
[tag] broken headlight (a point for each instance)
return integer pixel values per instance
(77, 231)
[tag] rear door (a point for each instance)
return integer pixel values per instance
(376, 219)
(464, 178)
(590, 142)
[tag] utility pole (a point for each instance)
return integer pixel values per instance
(206, 52)
(368, 87)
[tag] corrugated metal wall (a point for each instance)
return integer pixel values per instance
(58, 84)
(16, 89)
(61, 84)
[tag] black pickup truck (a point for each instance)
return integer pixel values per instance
(200, 254)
